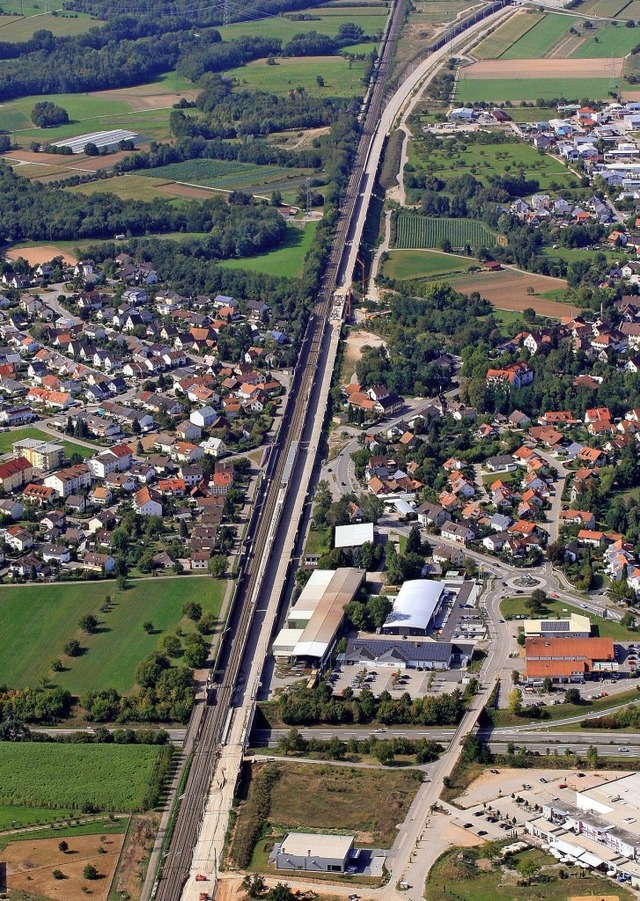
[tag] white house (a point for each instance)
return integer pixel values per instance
(145, 505)
(204, 417)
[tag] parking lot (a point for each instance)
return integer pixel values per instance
(459, 619)
(396, 681)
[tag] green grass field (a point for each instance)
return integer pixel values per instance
(37, 621)
(609, 41)
(340, 80)
(473, 90)
(327, 21)
(493, 46)
(111, 777)
(416, 232)
(128, 187)
(22, 29)
(606, 8)
(409, 264)
(13, 817)
(225, 175)
(502, 718)
(605, 628)
(287, 260)
(539, 40)
(7, 439)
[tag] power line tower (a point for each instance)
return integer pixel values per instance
(308, 194)
(226, 13)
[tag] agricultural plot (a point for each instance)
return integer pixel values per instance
(286, 260)
(539, 40)
(493, 46)
(36, 621)
(632, 10)
(340, 77)
(232, 176)
(511, 290)
(23, 28)
(370, 18)
(410, 264)
(606, 8)
(499, 90)
(609, 41)
(127, 187)
(111, 777)
(414, 232)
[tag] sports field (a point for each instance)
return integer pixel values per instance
(287, 260)
(410, 264)
(370, 17)
(473, 90)
(340, 78)
(36, 621)
(493, 46)
(111, 777)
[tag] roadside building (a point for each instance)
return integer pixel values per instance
(374, 650)
(415, 606)
(45, 455)
(354, 535)
(313, 852)
(575, 625)
(568, 659)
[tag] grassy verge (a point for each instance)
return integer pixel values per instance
(501, 718)
(555, 607)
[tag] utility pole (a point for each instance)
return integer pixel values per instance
(226, 13)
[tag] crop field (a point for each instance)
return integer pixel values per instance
(509, 290)
(473, 90)
(225, 175)
(609, 41)
(606, 8)
(539, 40)
(36, 621)
(327, 21)
(415, 232)
(632, 10)
(369, 803)
(286, 260)
(493, 46)
(410, 264)
(111, 777)
(127, 187)
(23, 28)
(340, 79)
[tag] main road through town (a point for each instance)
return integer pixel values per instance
(193, 847)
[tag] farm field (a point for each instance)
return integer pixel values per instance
(70, 447)
(473, 90)
(409, 264)
(225, 175)
(289, 73)
(416, 232)
(493, 46)
(540, 39)
(23, 28)
(287, 260)
(606, 8)
(508, 290)
(327, 21)
(111, 777)
(609, 41)
(368, 803)
(31, 863)
(12, 817)
(128, 187)
(36, 621)
(632, 10)
(486, 160)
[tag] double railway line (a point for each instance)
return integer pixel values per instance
(273, 505)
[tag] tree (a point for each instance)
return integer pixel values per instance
(72, 648)
(515, 676)
(320, 81)
(628, 620)
(193, 610)
(218, 566)
(63, 846)
(528, 869)
(592, 757)
(254, 886)
(207, 624)
(196, 650)
(171, 645)
(88, 623)
(148, 627)
(515, 701)
(91, 149)
(46, 115)
(89, 871)
(58, 874)
(414, 542)
(547, 684)
(572, 696)
(280, 892)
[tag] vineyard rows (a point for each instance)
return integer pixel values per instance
(418, 232)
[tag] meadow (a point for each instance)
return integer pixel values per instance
(498, 90)
(110, 777)
(371, 18)
(414, 232)
(286, 261)
(540, 39)
(128, 187)
(36, 621)
(23, 28)
(7, 440)
(409, 264)
(609, 41)
(493, 46)
(341, 79)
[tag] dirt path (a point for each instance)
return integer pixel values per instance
(373, 291)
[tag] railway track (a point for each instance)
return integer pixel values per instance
(265, 520)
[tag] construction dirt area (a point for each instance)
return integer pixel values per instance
(356, 341)
(544, 68)
(30, 866)
(40, 253)
(516, 291)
